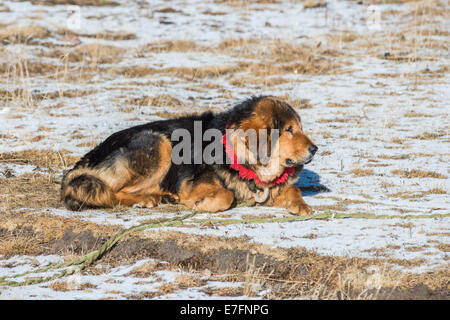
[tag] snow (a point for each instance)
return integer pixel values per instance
(114, 283)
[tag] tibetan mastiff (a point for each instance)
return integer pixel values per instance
(134, 167)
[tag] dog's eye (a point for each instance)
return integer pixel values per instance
(289, 129)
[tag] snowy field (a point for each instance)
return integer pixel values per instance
(370, 80)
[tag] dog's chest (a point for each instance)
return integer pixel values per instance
(241, 189)
(245, 190)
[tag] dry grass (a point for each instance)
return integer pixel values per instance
(417, 173)
(168, 45)
(164, 100)
(333, 207)
(28, 233)
(429, 136)
(358, 172)
(406, 195)
(279, 57)
(29, 67)
(40, 158)
(76, 2)
(103, 35)
(413, 114)
(224, 291)
(445, 247)
(22, 34)
(19, 94)
(92, 53)
(298, 103)
(181, 72)
(286, 273)
(188, 280)
(245, 81)
(346, 278)
(145, 270)
(70, 285)
(436, 191)
(394, 157)
(30, 191)
(311, 4)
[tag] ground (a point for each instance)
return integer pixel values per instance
(370, 80)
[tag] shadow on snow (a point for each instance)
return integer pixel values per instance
(309, 183)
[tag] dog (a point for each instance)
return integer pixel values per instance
(134, 167)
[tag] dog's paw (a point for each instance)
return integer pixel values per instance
(169, 198)
(300, 208)
(145, 204)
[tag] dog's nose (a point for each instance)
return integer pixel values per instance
(313, 149)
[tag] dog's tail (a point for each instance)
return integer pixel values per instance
(81, 189)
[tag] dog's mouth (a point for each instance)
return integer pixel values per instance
(299, 163)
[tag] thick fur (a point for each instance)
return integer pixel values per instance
(133, 166)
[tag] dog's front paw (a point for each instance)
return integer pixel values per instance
(299, 208)
(170, 198)
(149, 202)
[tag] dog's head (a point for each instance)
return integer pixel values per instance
(271, 139)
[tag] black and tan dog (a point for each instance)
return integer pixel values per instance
(134, 166)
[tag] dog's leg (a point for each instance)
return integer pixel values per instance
(291, 198)
(206, 194)
(145, 190)
(148, 199)
(130, 175)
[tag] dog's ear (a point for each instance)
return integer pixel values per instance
(245, 144)
(267, 144)
(263, 127)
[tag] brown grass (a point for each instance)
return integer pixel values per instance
(436, 191)
(169, 45)
(413, 114)
(346, 278)
(6, 95)
(91, 53)
(358, 172)
(69, 286)
(406, 195)
(445, 247)
(188, 280)
(245, 81)
(429, 136)
(30, 67)
(311, 4)
(30, 191)
(104, 35)
(397, 157)
(29, 233)
(76, 2)
(335, 207)
(163, 100)
(224, 291)
(40, 158)
(22, 34)
(181, 72)
(417, 173)
(298, 103)
(288, 273)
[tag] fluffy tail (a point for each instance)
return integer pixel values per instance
(81, 190)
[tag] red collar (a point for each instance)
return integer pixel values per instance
(248, 174)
